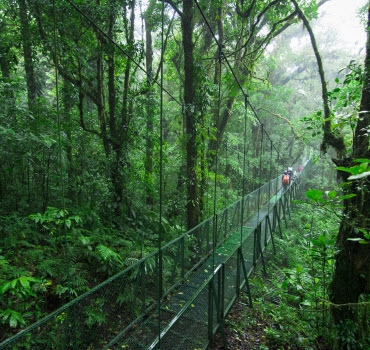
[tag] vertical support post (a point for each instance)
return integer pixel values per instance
(222, 295)
(260, 246)
(238, 273)
(260, 173)
(283, 207)
(287, 202)
(226, 222)
(215, 238)
(246, 278)
(182, 256)
(143, 290)
(255, 252)
(266, 230)
(277, 216)
(210, 311)
(207, 228)
(271, 233)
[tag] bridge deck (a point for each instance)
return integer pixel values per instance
(196, 319)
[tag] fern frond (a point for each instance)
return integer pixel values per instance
(106, 254)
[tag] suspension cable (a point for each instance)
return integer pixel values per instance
(228, 64)
(160, 84)
(61, 167)
(160, 282)
(122, 50)
(260, 175)
(220, 56)
(269, 196)
(244, 161)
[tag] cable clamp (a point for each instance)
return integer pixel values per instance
(221, 55)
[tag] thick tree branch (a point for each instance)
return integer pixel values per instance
(247, 12)
(251, 35)
(174, 6)
(297, 136)
(330, 138)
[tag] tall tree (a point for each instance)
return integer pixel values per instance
(27, 52)
(352, 273)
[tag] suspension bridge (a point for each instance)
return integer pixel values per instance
(180, 295)
(204, 271)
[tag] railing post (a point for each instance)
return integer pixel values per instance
(238, 273)
(182, 256)
(216, 231)
(222, 294)
(210, 311)
(207, 228)
(226, 225)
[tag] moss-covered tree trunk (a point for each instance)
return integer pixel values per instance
(27, 52)
(352, 274)
(352, 271)
(192, 205)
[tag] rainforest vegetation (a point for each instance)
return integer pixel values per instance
(122, 127)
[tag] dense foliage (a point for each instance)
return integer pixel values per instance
(95, 163)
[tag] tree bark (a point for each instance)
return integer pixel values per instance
(27, 53)
(192, 205)
(352, 274)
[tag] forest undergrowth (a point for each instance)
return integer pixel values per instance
(291, 308)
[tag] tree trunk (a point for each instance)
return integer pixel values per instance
(27, 52)
(67, 92)
(352, 274)
(192, 205)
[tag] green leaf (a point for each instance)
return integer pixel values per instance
(346, 196)
(315, 242)
(362, 160)
(322, 240)
(5, 287)
(314, 195)
(358, 169)
(345, 183)
(344, 169)
(16, 318)
(359, 176)
(332, 194)
(25, 282)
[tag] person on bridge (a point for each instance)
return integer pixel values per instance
(285, 180)
(300, 168)
(290, 172)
